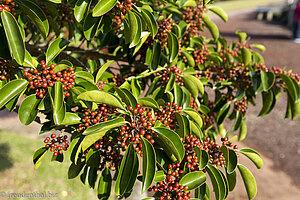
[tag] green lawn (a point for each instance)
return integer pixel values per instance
(17, 174)
(244, 4)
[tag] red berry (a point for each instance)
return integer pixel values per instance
(53, 135)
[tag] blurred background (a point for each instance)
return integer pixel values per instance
(268, 22)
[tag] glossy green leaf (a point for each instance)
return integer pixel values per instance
(80, 10)
(194, 85)
(103, 6)
(55, 48)
(223, 113)
(220, 12)
(196, 130)
(86, 76)
(131, 27)
(202, 156)
(294, 108)
(268, 98)
(148, 102)
(267, 80)
(101, 97)
(104, 186)
(149, 163)
(138, 35)
(75, 149)
(212, 27)
(249, 181)
(173, 45)
(90, 139)
(36, 15)
(58, 105)
(253, 156)
(170, 83)
(29, 109)
(237, 121)
(14, 37)
(159, 176)
(243, 131)
(171, 143)
(183, 125)
(246, 54)
(144, 37)
(103, 69)
(71, 119)
(62, 65)
(55, 1)
(105, 126)
(89, 176)
(150, 21)
(90, 26)
(38, 156)
(74, 170)
(128, 172)
(193, 180)
(11, 90)
(231, 180)
(127, 97)
(136, 88)
(203, 192)
(156, 55)
(194, 115)
(189, 58)
(242, 35)
(292, 87)
(217, 182)
(259, 47)
(178, 93)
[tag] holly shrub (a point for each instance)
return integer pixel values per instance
(135, 92)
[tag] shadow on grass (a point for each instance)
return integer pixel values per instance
(5, 161)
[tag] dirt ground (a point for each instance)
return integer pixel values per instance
(278, 140)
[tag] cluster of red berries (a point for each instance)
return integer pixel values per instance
(193, 16)
(166, 114)
(121, 6)
(109, 155)
(277, 70)
(102, 114)
(190, 155)
(208, 120)
(140, 124)
(44, 77)
(7, 5)
(241, 105)
(169, 189)
(165, 75)
(5, 69)
(215, 154)
(57, 144)
(200, 54)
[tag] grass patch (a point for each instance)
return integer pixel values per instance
(17, 174)
(236, 5)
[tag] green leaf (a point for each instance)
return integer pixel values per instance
(223, 113)
(90, 26)
(29, 109)
(203, 192)
(55, 1)
(170, 83)
(58, 158)
(193, 180)
(268, 98)
(11, 90)
(217, 182)
(171, 143)
(149, 163)
(159, 176)
(131, 27)
(219, 11)
(150, 21)
(194, 85)
(242, 35)
(103, 6)
(194, 115)
(36, 15)
(127, 97)
(249, 181)
(55, 48)
(136, 88)
(128, 172)
(74, 170)
(189, 57)
(212, 27)
(231, 180)
(173, 45)
(202, 156)
(183, 125)
(62, 65)
(230, 158)
(75, 149)
(237, 121)
(14, 37)
(178, 95)
(144, 37)
(148, 102)
(101, 97)
(253, 156)
(58, 105)
(156, 55)
(292, 87)
(138, 35)
(267, 79)
(29, 61)
(243, 131)
(246, 54)
(295, 108)
(86, 76)
(80, 10)
(103, 69)
(38, 156)
(89, 140)
(89, 176)
(71, 119)
(104, 126)
(104, 186)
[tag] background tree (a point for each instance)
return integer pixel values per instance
(124, 81)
